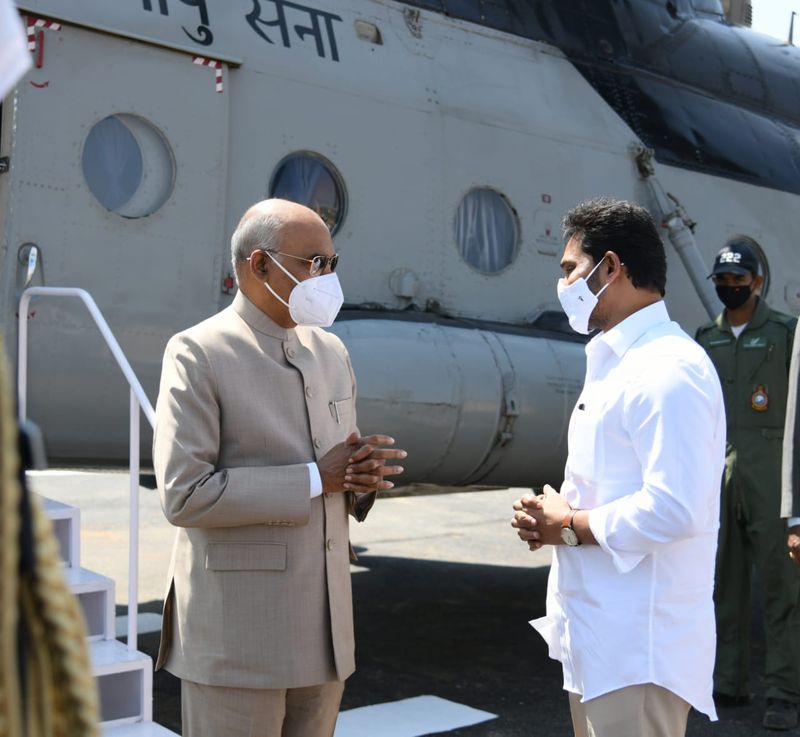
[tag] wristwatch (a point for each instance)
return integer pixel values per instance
(568, 534)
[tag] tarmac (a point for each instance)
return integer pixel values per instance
(443, 592)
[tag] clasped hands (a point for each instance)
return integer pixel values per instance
(794, 544)
(359, 464)
(537, 518)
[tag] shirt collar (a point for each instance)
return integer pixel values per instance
(722, 323)
(622, 336)
(257, 319)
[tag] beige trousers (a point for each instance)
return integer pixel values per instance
(636, 711)
(215, 711)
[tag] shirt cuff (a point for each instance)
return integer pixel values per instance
(599, 524)
(315, 480)
(793, 522)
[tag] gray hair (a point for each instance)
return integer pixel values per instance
(254, 232)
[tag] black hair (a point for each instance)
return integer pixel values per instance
(628, 229)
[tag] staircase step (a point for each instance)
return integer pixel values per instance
(67, 528)
(124, 679)
(140, 729)
(124, 682)
(96, 596)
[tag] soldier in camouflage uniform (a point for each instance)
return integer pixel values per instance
(751, 346)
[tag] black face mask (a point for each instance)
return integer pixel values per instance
(734, 297)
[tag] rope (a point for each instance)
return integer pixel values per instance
(60, 692)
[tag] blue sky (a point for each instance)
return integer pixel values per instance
(772, 17)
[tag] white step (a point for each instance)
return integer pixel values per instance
(124, 678)
(96, 596)
(67, 527)
(124, 682)
(140, 729)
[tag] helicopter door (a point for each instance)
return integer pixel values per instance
(118, 181)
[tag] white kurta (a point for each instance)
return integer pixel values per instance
(646, 455)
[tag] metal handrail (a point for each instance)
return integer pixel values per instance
(138, 400)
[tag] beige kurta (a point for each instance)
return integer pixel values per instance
(258, 592)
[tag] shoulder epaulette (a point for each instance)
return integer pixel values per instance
(788, 321)
(705, 328)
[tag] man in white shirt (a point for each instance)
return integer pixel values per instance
(790, 506)
(629, 606)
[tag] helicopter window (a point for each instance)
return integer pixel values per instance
(128, 166)
(312, 181)
(486, 230)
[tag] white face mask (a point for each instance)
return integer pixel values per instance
(578, 301)
(314, 302)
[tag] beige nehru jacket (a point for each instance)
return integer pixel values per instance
(258, 592)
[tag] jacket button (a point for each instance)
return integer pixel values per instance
(309, 391)
(329, 544)
(290, 352)
(317, 443)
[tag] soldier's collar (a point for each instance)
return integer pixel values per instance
(760, 316)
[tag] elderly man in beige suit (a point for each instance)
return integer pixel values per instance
(259, 462)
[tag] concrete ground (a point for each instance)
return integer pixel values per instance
(443, 593)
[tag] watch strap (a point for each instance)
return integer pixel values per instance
(570, 538)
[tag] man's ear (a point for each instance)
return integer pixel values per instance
(259, 264)
(758, 283)
(613, 264)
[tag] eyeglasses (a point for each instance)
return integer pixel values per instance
(317, 264)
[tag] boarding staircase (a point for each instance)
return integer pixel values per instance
(124, 675)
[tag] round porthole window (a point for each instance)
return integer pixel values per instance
(311, 180)
(486, 230)
(128, 166)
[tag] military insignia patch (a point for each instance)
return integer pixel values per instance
(760, 399)
(758, 341)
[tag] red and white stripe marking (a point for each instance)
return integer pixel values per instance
(34, 23)
(214, 64)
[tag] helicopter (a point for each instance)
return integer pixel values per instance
(441, 146)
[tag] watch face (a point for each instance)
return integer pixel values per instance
(569, 537)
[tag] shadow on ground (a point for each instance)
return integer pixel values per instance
(461, 632)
